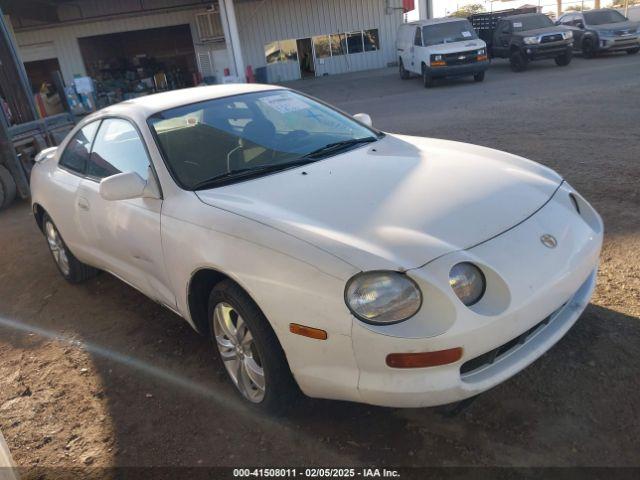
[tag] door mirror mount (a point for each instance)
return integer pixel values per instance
(364, 118)
(123, 186)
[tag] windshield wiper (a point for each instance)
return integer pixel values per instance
(337, 146)
(244, 173)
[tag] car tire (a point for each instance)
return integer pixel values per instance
(478, 77)
(8, 187)
(404, 74)
(563, 60)
(427, 80)
(518, 61)
(248, 346)
(588, 48)
(72, 269)
(633, 51)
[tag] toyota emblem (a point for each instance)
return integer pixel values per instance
(549, 241)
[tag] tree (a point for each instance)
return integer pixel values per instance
(468, 10)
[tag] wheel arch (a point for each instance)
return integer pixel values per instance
(38, 213)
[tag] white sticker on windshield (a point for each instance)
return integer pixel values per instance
(517, 24)
(284, 103)
(466, 34)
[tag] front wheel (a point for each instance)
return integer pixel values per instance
(478, 77)
(427, 80)
(588, 48)
(563, 60)
(72, 269)
(518, 61)
(633, 51)
(249, 350)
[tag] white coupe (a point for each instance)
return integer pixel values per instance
(318, 253)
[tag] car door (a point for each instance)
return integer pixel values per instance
(502, 38)
(417, 51)
(125, 234)
(578, 28)
(63, 204)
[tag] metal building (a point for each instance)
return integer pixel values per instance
(212, 41)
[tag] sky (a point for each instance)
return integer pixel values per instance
(444, 7)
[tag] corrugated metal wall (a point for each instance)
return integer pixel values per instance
(261, 22)
(63, 41)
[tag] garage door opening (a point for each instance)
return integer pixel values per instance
(305, 58)
(132, 64)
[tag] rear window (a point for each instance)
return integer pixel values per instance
(448, 32)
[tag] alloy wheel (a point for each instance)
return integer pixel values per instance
(239, 352)
(58, 250)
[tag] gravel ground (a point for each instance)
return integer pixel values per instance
(98, 375)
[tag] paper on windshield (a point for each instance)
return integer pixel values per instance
(517, 24)
(284, 103)
(466, 34)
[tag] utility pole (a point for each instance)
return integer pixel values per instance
(559, 8)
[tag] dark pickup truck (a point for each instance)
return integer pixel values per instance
(527, 37)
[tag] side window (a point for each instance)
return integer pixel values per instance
(118, 148)
(76, 155)
(418, 38)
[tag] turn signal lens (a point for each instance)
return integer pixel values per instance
(482, 58)
(424, 359)
(439, 64)
(305, 331)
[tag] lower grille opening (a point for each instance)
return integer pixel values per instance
(494, 355)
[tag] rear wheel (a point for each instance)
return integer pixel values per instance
(518, 61)
(72, 269)
(249, 350)
(404, 74)
(427, 80)
(478, 77)
(8, 185)
(588, 48)
(633, 51)
(563, 60)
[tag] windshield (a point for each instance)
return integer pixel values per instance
(603, 16)
(448, 32)
(532, 22)
(256, 132)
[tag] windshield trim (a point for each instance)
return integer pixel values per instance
(378, 133)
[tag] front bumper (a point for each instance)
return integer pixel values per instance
(620, 43)
(458, 70)
(534, 295)
(548, 50)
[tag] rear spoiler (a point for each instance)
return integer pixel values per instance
(45, 154)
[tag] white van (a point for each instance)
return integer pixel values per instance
(441, 47)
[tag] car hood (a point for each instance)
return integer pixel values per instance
(455, 47)
(542, 31)
(614, 26)
(397, 203)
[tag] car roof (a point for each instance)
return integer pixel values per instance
(435, 21)
(158, 102)
(523, 15)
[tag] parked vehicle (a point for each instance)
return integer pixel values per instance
(528, 37)
(602, 30)
(444, 47)
(318, 252)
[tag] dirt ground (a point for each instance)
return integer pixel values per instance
(97, 375)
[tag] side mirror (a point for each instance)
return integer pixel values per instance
(364, 118)
(580, 25)
(123, 186)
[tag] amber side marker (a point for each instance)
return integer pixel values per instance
(424, 359)
(438, 64)
(482, 58)
(307, 331)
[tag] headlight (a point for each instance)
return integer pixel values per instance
(437, 58)
(382, 297)
(482, 51)
(468, 282)
(567, 35)
(531, 40)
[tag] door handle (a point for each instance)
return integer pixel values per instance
(83, 203)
